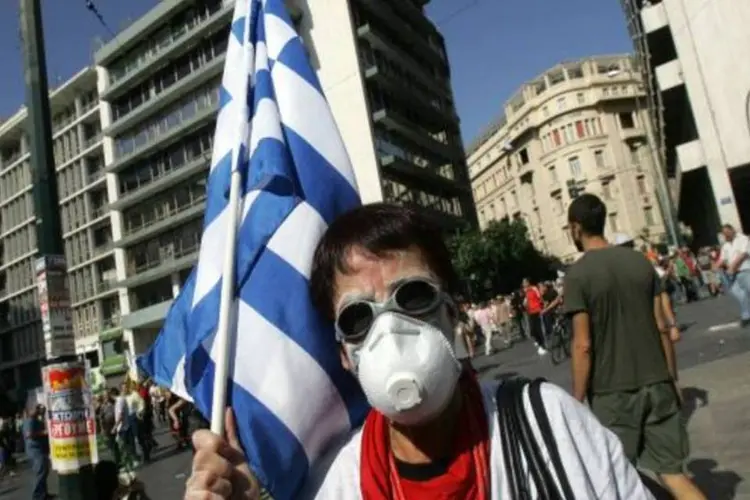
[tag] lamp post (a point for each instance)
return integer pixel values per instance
(69, 419)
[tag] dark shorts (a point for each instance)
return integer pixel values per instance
(649, 423)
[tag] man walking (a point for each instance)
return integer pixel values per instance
(623, 359)
(734, 260)
(534, 305)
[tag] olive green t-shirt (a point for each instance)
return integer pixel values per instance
(616, 286)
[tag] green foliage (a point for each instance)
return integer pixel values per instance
(495, 260)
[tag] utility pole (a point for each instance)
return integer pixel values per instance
(69, 417)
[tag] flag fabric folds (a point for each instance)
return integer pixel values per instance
(290, 395)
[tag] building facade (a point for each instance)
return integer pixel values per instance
(86, 229)
(699, 94)
(581, 126)
(383, 67)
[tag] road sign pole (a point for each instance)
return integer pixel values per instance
(68, 423)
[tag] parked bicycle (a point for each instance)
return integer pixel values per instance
(558, 340)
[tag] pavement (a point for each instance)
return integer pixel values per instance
(713, 357)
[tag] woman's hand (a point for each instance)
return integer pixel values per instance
(219, 467)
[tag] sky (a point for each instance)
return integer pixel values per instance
(494, 46)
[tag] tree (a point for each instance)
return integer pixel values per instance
(495, 260)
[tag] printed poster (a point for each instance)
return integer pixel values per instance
(71, 423)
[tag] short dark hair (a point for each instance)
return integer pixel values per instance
(590, 213)
(378, 228)
(728, 226)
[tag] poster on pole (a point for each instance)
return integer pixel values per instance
(54, 306)
(71, 423)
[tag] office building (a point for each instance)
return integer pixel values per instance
(580, 126)
(86, 229)
(383, 68)
(699, 92)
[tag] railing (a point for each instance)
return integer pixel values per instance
(99, 211)
(133, 227)
(165, 258)
(95, 175)
(105, 285)
(112, 322)
(105, 247)
(87, 143)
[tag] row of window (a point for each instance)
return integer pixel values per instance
(201, 99)
(17, 212)
(396, 192)
(386, 145)
(21, 343)
(156, 44)
(156, 292)
(17, 277)
(189, 149)
(176, 200)
(166, 247)
(176, 71)
(19, 310)
(14, 180)
(20, 242)
(571, 133)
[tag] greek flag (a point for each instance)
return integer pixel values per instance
(291, 397)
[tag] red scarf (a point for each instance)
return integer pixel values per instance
(467, 477)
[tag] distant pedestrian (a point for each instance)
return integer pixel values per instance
(37, 450)
(735, 262)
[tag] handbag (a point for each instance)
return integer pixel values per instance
(519, 444)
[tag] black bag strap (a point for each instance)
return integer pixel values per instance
(518, 441)
(540, 414)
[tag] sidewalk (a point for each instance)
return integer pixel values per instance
(717, 405)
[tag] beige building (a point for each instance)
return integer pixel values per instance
(581, 124)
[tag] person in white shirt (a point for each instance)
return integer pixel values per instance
(383, 275)
(734, 260)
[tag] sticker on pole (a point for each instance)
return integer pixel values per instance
(71, 424)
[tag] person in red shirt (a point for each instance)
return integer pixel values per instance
(534, 305)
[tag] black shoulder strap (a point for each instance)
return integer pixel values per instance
(540, 414)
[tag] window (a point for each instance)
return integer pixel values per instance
(569, 137)
(581, 97)
(579, 129)
(545, 111)
(553, 174)
(557, 204)
(556, 137)
(606, 191)
(575, 166)
(635, 155)
(648, 213)
(515, 198)
(626, 120)
(561, 103)
(599, 158)
(523, 156)
(641, 180)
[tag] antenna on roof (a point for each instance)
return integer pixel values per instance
(94, 10)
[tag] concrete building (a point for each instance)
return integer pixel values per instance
(86, 229)
(383, 68)
(581, 124)
(699, 93)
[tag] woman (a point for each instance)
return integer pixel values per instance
(383, 275)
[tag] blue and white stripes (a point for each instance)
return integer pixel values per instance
(291, 396)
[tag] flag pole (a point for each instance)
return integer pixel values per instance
(226, 301)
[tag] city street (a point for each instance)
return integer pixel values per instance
(713, 357)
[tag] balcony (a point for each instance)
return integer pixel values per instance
(406, 172)
(157, 184)
(411, 97)
(159, 142)
(169, 261)
(174, 48)
(405, 31)
(413, 132)
(654, 17)
(669, 75)
(137, 232)
(406, 61)
(175, 92)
